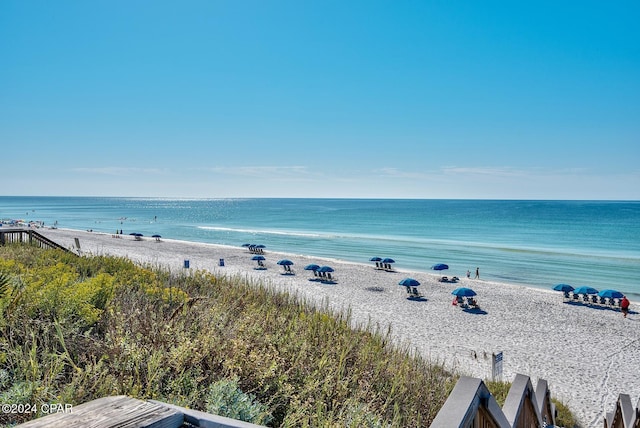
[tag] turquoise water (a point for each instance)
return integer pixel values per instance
(534, 243)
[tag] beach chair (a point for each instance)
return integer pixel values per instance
(415, 292)
(444, 279)
(288, 270)
(575, 296)
(594, 299)
(472, 303)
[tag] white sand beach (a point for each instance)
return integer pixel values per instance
(588, 355)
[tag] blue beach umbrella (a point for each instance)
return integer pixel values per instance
(563, 287)
(325, 269)
(388, 260)
(611, 294)
(285, 263)
(463, 292)
(585, 290)
(258, 257)
(409, 282)
(375, 259)
(312, 267)
(440, 266)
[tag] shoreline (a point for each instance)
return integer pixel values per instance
(588, 355)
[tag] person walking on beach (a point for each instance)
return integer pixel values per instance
(624, 306)
(477, 273)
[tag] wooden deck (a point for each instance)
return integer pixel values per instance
(125, 412)
(111, 412)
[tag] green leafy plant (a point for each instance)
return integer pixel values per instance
(225, 398)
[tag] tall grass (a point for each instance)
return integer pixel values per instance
(75, 329)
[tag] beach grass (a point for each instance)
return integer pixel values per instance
(79, 328)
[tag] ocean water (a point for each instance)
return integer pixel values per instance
(533, 243)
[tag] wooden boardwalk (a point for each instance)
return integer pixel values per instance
(28, 236)
(125, 412)
(111, 412)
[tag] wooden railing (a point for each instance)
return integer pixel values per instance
(624, 415)
(471, 405)
(28, 236)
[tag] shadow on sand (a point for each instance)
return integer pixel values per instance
(596, 306)
(475, 311)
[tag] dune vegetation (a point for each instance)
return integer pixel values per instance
(73, 329)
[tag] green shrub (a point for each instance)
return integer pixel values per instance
(86, 327)
(225, 398)
(564, 417)
(499, 390)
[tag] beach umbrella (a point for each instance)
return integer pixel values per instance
(246, 245)
(259, 246)
(440, 266)
(388, 260)
(409, 282)
(375, 259)
(312, 267)
(156, 236)
(563, 287)
(611, 294)
(463, 292)
(258, 257)
(325, 269)
(285, 263)
(585, 290)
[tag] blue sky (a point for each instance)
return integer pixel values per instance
(391, 99)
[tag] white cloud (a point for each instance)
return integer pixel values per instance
(119, 171)
(262, 171)
(398, 173)
(486, 171)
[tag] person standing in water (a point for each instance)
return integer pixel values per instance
(477, 273)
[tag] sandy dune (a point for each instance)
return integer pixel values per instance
(588, 355)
